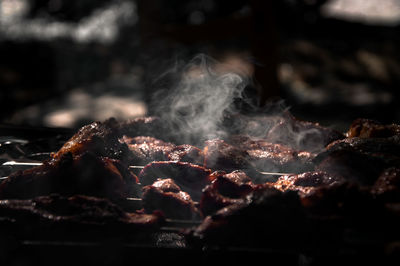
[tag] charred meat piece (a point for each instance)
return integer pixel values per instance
(190, 177)
(99, 138)
(352, 165)
(305, 182)
(266, 217)
(75, 215)
(387, 148)
(387, 187)
(341, 199)
(85, 174)
(267, 156)
(166, 196)
(220, 155)
(224, 190)
(147, 149)
(367, 128)
(302, 135)
(186, 153)
(359, 159)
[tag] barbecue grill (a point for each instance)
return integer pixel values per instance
(169, 244)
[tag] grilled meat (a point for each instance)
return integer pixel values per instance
(360, 159)
(147, 149)
(220, 155)
(387, 148)
(367, 128)
(266, 217)
(224, 190)
(302, 135)
(99, 138)
(387, 186)
(73, 216)
(305, 182)
(190, 177)
(166, 196)
(341, 199)
(187, 153)
(369, 149)
(85, 174)
(267, 156)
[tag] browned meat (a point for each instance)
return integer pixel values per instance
(281, 219)
(267, 156)
(190, 177)
(224, 190)
(387, 148)
(147, 149)
(219, 155)
(305, 182)
(74, 215)
(166, 196)
(387, 187)
(366, 128)
(266, 217)
(340, 199)
(99, 138)
(187, 153)
(302, 135)
(359, 159)
(68, 175)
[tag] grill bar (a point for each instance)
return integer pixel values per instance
(35, 163)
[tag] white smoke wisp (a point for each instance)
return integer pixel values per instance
(199, 98)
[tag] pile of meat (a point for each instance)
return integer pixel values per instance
(288, 186)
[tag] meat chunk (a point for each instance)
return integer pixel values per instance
(387, 148)
(359, 159)
(187, 153)
(302, 135)
(387, 186)
(305, 182)
(243, 153)
(344, 199)
(224, 190)
(267, 156)
(99, 138)
(190, 177)
(147, 149)
(85, 174)
(220, 155)
(367, 128)
(79, 216)
(166, 196)
(266, 217)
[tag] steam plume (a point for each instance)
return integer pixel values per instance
(196, 98)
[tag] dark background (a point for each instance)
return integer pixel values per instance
(66, 63)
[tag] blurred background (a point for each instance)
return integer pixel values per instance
(67, 63)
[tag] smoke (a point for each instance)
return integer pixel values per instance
(195, 98)
(204, 99)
